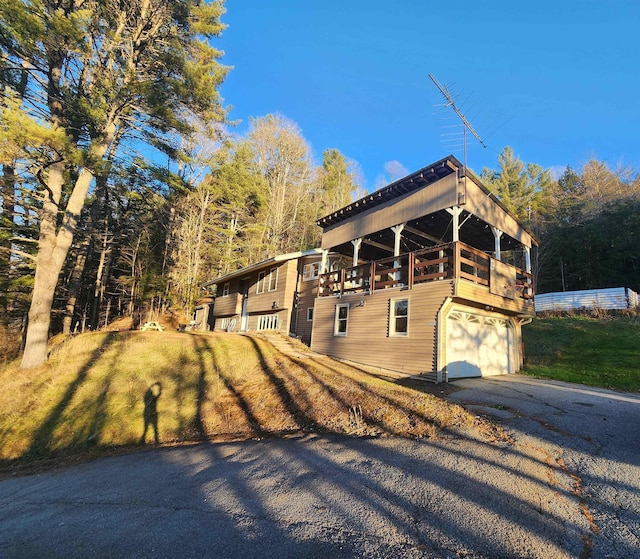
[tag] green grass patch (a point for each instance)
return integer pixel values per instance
(598, 352)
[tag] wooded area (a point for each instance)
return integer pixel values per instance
(124, 187)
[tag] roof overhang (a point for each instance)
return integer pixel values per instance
(263, 264)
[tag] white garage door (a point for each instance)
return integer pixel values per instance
(478, 345)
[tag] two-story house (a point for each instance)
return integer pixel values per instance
(430, 275)
(440, 279)
(275, 294)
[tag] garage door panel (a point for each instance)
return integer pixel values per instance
(477, 345)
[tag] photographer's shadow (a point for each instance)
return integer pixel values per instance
(150, 413)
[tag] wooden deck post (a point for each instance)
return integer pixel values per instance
(410, 271)
(372, 278)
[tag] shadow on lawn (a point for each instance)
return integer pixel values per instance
(41, 442)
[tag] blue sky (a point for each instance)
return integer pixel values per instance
(558, 81)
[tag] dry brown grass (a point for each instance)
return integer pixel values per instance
(91, 395)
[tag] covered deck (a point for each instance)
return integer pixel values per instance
(449, 261)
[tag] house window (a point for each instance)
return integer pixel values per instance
(225, 289)
(227, 324)
(310, 271)
(261, 282)
(273, 279)
(399, 317)
(310, 314)
(268, 322)
(342, 318)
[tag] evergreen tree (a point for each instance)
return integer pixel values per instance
(521, 188)
(102, 71)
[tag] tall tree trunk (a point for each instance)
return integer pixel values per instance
(53, 247)
(74, 286)
(98, 288)
(8, 224)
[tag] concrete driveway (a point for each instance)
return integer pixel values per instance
(564, 488)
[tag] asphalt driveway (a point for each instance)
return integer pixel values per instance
(592, 433)
(568, 486)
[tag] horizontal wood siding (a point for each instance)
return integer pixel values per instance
(230, 304)
(308, 291)
(261, 303)
(479, 296)
(437, 196)
(368, 341)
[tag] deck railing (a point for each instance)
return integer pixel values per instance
(441, 262)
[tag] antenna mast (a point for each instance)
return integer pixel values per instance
(467, 125)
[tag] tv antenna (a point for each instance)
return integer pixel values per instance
(466, 124)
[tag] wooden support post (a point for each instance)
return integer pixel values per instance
(497, 234)
(410, 271)
(456, 261)
(372, 279)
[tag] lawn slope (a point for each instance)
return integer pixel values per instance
(601, 352)
(97, 391)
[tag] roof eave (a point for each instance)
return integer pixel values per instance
(262, 264)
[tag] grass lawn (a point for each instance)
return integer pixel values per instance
(597, 352)
(98, 391)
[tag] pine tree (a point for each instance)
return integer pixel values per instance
(103, 71)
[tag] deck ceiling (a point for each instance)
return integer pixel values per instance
(429, 231)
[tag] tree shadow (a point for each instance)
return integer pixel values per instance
(217, 354)
(41, 442)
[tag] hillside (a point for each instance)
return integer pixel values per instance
(98, 390)
(601, 352)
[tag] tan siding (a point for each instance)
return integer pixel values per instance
(437, 196)
(367, 340)
(479, 296)
(229, 305)
(308, 291)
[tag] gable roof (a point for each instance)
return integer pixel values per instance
(263, 264)
(424, 177)
(446, 172)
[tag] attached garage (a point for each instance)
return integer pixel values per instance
(478, 344)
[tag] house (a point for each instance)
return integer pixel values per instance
(439, 281)
(275, 294)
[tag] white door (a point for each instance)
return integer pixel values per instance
(478, 345)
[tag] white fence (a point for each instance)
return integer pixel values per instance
(612, 298)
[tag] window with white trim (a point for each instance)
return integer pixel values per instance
(310, 314)
(261, 282)
(227, 324)
(273, 279)
(225, 289)
(311, 271)
(399, 317)
(341, 320)
(268, 322)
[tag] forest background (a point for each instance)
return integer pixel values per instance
(124, 187)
